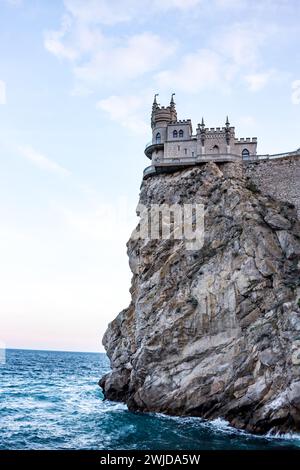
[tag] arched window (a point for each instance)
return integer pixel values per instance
(216, 149)
(158, 138)
(180, 133)
(175, 134)
(245, 153)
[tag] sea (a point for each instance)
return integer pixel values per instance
(51, 400)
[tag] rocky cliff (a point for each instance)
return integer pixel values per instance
(213, 332)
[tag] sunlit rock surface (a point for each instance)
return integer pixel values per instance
(213, 332)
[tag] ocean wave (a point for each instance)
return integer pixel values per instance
(52, 400)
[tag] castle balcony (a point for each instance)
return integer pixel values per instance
(150, 147)
(149, 171)
(168, 165)
(205, 158)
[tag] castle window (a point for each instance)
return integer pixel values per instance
(158, 138)
(180, 133)
(216, 149)
(178, 147)
(185, 151)
(245, 153)
(175, 134)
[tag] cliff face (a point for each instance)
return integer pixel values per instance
(213, 332)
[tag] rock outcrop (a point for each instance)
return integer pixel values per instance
(213, 332)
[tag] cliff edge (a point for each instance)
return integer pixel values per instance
(215, 331)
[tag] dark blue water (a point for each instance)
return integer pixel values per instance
(51, 400)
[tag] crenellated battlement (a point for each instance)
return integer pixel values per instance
(243, 140)
(182, 122)
(209, 130)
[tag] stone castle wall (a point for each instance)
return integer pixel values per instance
(279, 177)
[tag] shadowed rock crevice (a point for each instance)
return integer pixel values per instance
(213, 332)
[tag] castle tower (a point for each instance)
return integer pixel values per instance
(160, 118)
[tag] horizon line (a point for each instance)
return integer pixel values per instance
(53, 350)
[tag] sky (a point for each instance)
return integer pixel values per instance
(77, 79)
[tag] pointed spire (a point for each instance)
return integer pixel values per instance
(202, 123)
(227, 131)
(155, 101)
(173, 114)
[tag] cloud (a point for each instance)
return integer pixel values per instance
(53, 41)
(104, 55)
(100, 11)
(15, 3)
(42, 162)
(128, 111)
(109, 13)
(228, 55)
(140, 54)
(179, 4)
(231, 3)
(257, 81)
(2, 92)
(99, 59)
(296, 92)
(241, 43)
(247, 121)
(195, 72)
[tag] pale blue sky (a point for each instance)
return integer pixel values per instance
(77, 79)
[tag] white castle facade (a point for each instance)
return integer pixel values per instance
(174, 144)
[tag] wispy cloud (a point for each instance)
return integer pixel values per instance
(247, 121)
(241, 43)
(42, 162)
(109, 13)
(257, 81)
(231, 3)
(2, 92)
(194, 72)
(100, 11)
(15, 3)
(229, 53)
(99, 59)
(140, 54)
(106, 55)
(129, 111)
(54, 41)
(296, 92)
(180, 4)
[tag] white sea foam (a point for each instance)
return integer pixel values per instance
(112, 406)
(222, 426)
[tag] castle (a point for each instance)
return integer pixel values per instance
(174, 144)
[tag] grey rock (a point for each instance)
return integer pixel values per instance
(277, 221)
(213, 332)
(289, 243)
